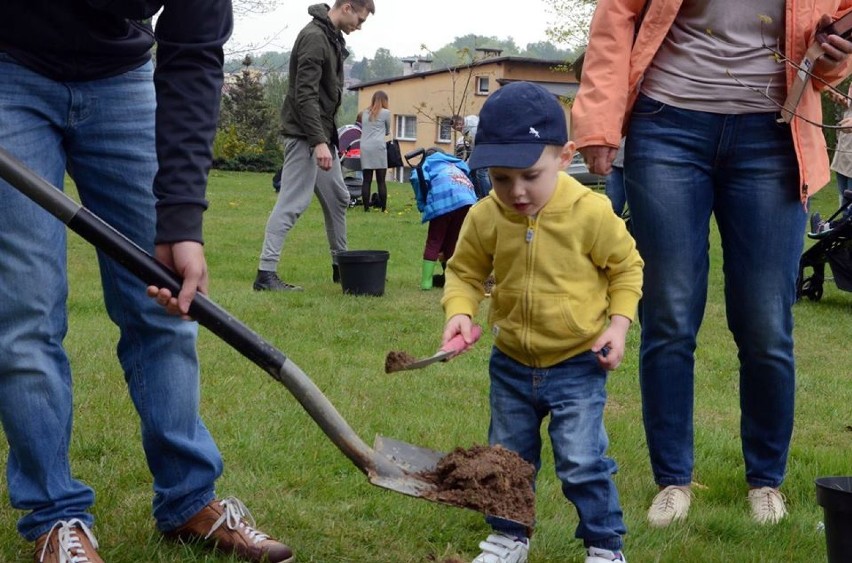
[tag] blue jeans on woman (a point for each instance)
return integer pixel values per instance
(102, 133)
(573, 393)
(481, 182)
(682, 167)
(844, 183)
(614, 189)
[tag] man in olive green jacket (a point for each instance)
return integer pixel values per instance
(310, 136)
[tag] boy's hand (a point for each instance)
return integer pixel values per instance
(609, 347)
(608, 352)
(460, 324)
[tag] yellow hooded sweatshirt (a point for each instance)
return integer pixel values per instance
(560, 275)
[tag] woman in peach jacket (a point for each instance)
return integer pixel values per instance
(698, 92)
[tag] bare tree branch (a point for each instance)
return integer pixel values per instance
(253, 7)
(780, 57)
(571, 21)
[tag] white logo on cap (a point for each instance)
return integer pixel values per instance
(534, 132)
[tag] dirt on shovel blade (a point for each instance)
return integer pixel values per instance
(397, 360)
(489, 479)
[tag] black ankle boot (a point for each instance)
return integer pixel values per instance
(269, 281)
(335, 273)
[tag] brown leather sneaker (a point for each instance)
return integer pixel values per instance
(67, 541)
(228, 526)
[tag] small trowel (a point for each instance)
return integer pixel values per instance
(447, 351)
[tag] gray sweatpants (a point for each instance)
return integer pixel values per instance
(300, 179)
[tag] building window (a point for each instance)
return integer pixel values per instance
(406, 127)
(445, 130)
(482, 87)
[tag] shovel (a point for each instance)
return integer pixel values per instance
(390, 464)
(455, 345)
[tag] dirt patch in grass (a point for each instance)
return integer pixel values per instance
(489, 479)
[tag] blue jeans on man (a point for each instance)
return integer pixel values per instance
(682, 167)
(573, 394)
(102, 133)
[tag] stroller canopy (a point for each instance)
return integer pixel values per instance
(348, 135)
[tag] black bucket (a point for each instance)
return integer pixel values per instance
(834, 495)
(362, 272)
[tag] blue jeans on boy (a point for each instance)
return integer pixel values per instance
(102, 132)
(682, 167)
(573, 393)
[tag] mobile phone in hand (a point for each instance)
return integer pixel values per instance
(841, 27)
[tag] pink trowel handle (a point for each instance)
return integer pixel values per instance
(457, 343)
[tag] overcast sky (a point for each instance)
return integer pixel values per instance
(402, 26)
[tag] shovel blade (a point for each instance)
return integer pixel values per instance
(412, 460)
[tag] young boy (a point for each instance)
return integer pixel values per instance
(568, 281)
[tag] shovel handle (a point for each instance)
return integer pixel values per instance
(210, 315)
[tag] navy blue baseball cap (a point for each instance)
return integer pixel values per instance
(515, 124)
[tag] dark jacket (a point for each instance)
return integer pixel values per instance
(81, 40)
(316, 80)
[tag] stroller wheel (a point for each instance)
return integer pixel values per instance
(811, 290)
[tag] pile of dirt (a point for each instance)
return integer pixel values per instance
(397, 360)
(451, 559)
(489, 479)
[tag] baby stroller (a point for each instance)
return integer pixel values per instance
(444, 192)
(349, 148)
(834, 246)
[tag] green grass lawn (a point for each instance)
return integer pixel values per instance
(303, 490)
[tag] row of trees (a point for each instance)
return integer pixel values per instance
(247, 136)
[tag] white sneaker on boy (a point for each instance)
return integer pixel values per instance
(598, 555)
(500, 548)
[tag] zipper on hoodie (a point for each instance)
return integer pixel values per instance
(528, 238)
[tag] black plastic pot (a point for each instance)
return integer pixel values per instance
(834, 495)
(363, 272)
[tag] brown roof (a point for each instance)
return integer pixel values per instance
(486, 61)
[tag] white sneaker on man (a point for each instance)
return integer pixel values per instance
(598, 555)
(767, 505)
(500, 548)
(670, 504)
